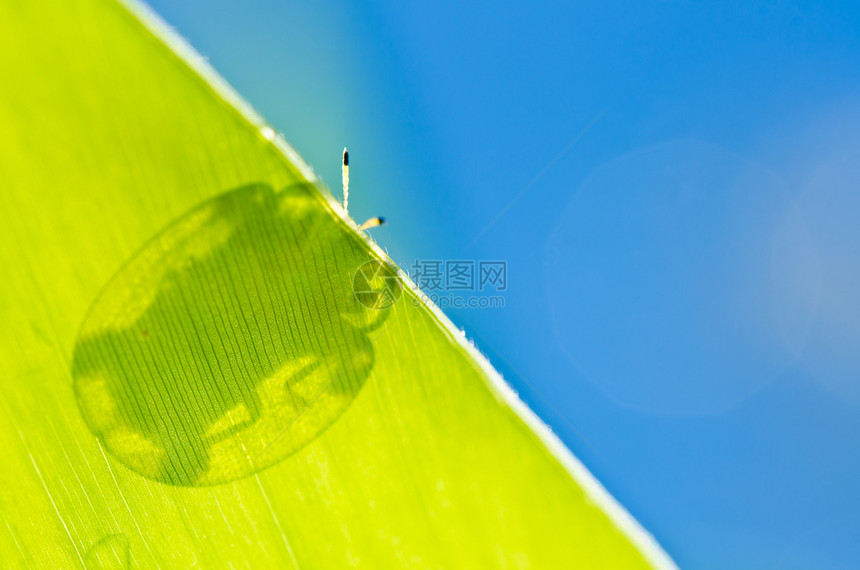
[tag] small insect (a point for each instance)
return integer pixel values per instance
(370, 223)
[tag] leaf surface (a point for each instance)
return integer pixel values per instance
(205, 363)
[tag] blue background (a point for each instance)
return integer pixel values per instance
(684, 276)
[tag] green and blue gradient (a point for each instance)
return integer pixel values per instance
(684, 298)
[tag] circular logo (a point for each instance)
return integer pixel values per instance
(376, 285)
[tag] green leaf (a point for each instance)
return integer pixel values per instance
(204, 362)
